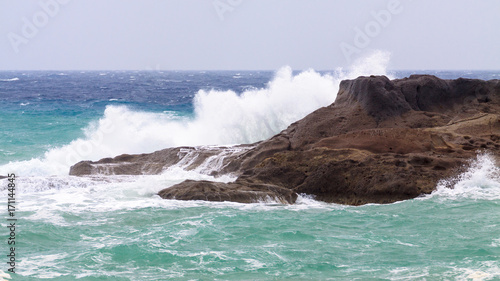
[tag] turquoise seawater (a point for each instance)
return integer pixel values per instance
(28, 134)
(117, 228)
(125, 235)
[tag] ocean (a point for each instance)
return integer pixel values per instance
(117, 228)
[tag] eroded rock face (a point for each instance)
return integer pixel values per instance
(379, 97)
(365, 148)
(380, 142)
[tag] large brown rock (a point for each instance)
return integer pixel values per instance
(380, 142)
(239, 191)
(384, 141)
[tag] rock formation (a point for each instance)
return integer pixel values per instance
(243, 192)
(381, 141)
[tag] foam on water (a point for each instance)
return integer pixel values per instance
(212, 164)
(487, 270)
(46, 199)
(4, 275)
(115, 227)
(481, 181)
(220, 118)
(9, 80)
(51, 199)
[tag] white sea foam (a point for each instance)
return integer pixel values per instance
(47, 198)
(485, 270)
(35, 265)
(9, 79)
(373, 64)
(221, 118)
(81, 195)
(480, 181)
(4, 275)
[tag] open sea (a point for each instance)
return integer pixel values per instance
(117, 228)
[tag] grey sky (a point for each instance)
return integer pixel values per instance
(246, 34)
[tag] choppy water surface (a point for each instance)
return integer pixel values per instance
(116, 228)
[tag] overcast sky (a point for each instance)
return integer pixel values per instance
(247, 34)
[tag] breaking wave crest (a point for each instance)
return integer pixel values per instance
(220, 118)
(481, 181)
(9, 79)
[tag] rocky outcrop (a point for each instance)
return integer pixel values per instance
(206, 159)
(380, 142)
(366, 149)
(242, 192)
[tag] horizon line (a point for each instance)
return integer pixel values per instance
(243, 70)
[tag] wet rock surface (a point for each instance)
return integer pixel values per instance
(381, 141)
(242, 192)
